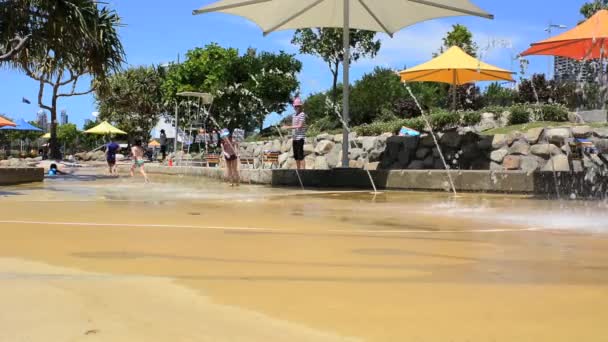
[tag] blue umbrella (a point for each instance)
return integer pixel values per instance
(22, 125)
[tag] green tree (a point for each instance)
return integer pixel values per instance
(133, 99)
(327, 43)
(496, 95)
(373, 93)
(462, 37)
(245, 88)
(66, 40)
(590, 8)
(68, 135)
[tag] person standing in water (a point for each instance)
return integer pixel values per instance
(137, 153)
(299, 133)
(229, 148)
(111, 150)
(163, 144)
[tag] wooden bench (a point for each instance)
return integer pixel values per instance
(246, 161)
(212, 159)
(271, 158)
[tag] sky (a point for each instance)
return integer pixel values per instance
(157, 32)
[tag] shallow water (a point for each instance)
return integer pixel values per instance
(397, 266)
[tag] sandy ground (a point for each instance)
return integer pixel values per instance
(185, 260)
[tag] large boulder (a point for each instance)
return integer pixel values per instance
(485, 142)
(276, 145)
(545, 150)
(323, 136)
(511, 162)
(428, 162)
(324, 147)
(470, 152)
(422, 152)
(601, 132)
(310, 162)
(451, 139)
(416, 165)
(499, 155)
(557, 163)
(530, 163)
(520, 147)
(372, 166)
(309, 149)
(499, 141)
(515, 136)
(321, 163)
(582, 132)
(283, 159)
(487, 122)
(5, 163)
(428, 141)
(334, 157)
(287, 145)
(339, 138)
(369, 143)
(558, 136)
(356, 153)
(495, 166)
(533, 135)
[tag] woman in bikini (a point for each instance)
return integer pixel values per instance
(229, 148)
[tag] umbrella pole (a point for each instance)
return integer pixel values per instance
(346, 82)
(454, 92)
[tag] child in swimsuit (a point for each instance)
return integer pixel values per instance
(138, 160)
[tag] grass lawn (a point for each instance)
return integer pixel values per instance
(531, 125)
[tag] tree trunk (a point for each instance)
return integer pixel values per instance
(54, 143)
(334, 89)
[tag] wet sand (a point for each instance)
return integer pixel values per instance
(90, 258)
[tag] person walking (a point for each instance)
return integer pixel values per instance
(163, 144)
(111, 150)
(137, 153)
(299, 133)
(229, 148)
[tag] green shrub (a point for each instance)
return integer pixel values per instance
(381, 127)
(471, 118)
(519, 115)
(554, 112)
(442, 120)
(496, 110)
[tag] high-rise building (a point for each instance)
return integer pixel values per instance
(567, 69)
(42, 120)
(64, 117)
(88, 122)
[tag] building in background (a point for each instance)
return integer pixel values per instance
(42, 120)
(566, 69)
(87, 122)
(64, 117)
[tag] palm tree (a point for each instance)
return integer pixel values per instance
(57, 42)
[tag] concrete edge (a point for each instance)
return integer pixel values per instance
(17, 175)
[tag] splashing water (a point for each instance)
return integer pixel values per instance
(428, 123)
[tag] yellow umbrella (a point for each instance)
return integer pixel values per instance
(105, 128)
(46, 136)
(455, 67)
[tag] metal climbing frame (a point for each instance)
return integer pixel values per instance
(204, 104)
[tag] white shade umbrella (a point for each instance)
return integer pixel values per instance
(388, 16)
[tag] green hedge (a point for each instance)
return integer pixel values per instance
(519, 115)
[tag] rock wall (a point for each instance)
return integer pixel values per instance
(539, 149)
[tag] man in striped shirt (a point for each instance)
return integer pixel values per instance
(299, 133)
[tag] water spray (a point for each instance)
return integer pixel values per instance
(428, 123)
(369, 174)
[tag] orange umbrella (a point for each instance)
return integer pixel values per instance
(588, 40)
(5, 122)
